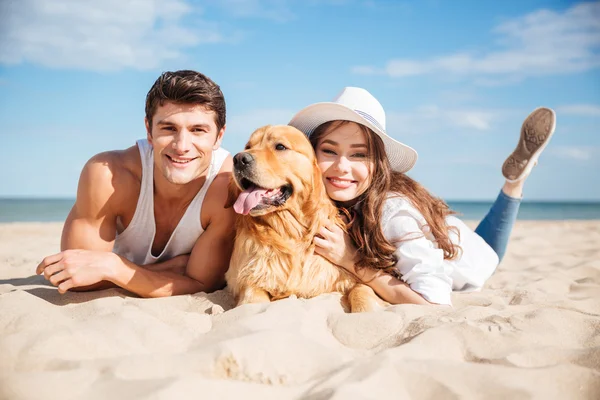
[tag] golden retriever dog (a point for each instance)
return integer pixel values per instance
(278, 191)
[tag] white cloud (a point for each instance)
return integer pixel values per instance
(544, 42)
(100, 35)
(583, 110)
(422, 120)
(433, 119)
(579, 153)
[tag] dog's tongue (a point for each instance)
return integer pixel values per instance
(248, 199)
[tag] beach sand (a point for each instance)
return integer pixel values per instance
(532, 332)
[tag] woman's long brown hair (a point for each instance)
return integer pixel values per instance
(374, 250)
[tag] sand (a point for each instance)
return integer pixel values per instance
(532, 332)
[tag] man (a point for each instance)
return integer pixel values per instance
(151, 218)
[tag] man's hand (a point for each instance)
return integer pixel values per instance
(76, 268)
(335, 245)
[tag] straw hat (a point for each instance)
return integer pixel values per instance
(357, 105)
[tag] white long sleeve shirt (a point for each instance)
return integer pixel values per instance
(421, 263)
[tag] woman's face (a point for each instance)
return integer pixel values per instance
(345, 162)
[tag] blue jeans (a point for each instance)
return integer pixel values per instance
(496, 226)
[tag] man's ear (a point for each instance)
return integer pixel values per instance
(148, 130)
(219, 138)
(233, 192)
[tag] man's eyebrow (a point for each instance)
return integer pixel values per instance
(163, 122)
(207, 126)
(353, 146)
(200, 125)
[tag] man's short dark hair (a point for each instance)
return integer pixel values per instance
(186, 87)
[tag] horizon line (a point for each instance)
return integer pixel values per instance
(455, 200)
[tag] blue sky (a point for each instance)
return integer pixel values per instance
(456, 79)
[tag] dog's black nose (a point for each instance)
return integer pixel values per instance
(242, 159)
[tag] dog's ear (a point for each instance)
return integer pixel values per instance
(318, 185)
(233, 193)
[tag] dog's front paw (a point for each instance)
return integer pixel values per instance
(253, 295)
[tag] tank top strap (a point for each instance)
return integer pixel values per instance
(143, 217)
(218, 157)
(147, 156)
(146, 199)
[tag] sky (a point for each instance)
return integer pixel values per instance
(456, 79)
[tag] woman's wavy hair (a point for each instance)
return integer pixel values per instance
(374, 250)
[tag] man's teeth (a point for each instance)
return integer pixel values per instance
(180, 161)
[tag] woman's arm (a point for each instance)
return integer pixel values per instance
(387, 287)
(425, 278)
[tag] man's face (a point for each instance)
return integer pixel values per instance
(183, 137)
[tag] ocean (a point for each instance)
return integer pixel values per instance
(56, 210)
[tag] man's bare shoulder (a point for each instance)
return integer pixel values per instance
(216, 196)
(111, 175)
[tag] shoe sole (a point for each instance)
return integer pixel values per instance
(536, 131)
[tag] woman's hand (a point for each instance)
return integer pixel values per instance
(335, 245)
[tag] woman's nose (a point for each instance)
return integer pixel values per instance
(343, 164)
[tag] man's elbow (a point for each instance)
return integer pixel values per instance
(216, 286)
(211, 287)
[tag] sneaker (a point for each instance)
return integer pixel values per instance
(536, 132)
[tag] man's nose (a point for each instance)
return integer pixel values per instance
(242, 159)
(182, 141)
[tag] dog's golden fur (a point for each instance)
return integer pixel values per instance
(273, 255)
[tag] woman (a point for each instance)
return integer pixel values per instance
(395, 224)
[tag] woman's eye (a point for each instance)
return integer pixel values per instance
(328, 151)
(280, 147)
(359, 155)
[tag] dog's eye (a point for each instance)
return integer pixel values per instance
(247, 147)
(279, 146)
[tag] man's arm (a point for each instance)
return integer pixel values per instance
(91, 224)
(207, 263)
(86, 260)
(205, 270)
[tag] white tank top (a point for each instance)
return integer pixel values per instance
(135, 242)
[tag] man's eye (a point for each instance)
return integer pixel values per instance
(280, 147)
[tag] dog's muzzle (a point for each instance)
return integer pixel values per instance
(243, 160)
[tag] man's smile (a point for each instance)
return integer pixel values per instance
(180, 162)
